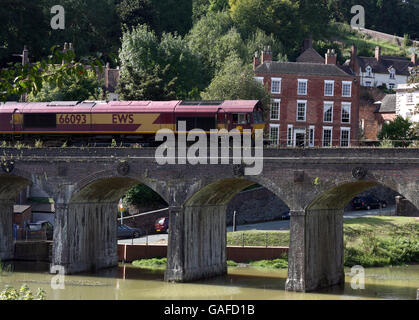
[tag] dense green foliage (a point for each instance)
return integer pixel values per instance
(390, 16)
(235, 81)
(24, 293)
(374, 242)
(58, 71)
(182, 49)
(157, 69)
(400, 132)
(161, 16)
(73, 88)
(143, 195)
(151, 263)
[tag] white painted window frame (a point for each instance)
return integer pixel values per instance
(279, 109)
(280, 85)
(305, 110)
(277, 126)
(331, 136)
(311, 142)
(290, 135)
(332, 82)
(298, 87)
(346, 104)
(342, 129)
(350, 90)
(327, 103)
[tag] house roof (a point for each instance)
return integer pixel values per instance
(300, 68)
(311, 56)
(401, 65)
(20, 208)
(388, 104)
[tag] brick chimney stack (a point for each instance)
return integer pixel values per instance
(377, 53)
(266, 54)
(330, 57)
(308, 43)
(414, 58)
(256, 61)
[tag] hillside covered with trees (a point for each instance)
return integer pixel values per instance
(190, 49)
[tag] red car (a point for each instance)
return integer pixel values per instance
(162, 225)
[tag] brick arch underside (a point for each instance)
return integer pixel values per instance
(12, 185)
(222, 191)
(105, 186)
(338, 197)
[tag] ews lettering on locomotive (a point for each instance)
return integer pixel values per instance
(122, 118)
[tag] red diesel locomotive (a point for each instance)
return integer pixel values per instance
(125, 121)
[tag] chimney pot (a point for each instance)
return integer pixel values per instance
(266, 54)
(330, 57)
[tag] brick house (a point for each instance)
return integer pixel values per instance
(314, 104)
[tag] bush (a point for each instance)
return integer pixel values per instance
(24, 293)
(154, 262)
(376, 252)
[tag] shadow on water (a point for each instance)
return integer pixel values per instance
(380, 283)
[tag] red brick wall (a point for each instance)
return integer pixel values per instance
(315, 102)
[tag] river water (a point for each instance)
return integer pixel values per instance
(129, 282)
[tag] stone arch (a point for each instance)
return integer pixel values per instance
(11, 185)
(86, 234)
(221, 190)
(123, 183)
(316, 245)
(337, 197)
(197, 237)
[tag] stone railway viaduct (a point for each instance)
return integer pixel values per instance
(86, 185)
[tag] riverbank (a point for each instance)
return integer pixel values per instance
(368, 241)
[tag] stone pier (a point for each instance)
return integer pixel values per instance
(316, 250)
(6, 230)
(197, 243)
(85, 236)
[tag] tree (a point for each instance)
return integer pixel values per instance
(91, 25)
(134, 12)
(73, 88)
(204, 38)
(400, 132)
(142, 195)
(282, 18)
(17, 80)
(22, 23)
(235, 81)
(158, 69)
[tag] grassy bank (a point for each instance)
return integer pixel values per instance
(381, 241)
(370, 242)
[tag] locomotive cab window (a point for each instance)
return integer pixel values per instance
(240, 118)
(258, 116)
(40, 120)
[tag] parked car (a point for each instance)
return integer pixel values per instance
(162, 225)
(39, 228)
(125, 231)
(286, 216)
(367, 203)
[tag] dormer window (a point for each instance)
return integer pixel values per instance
(369, 71)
